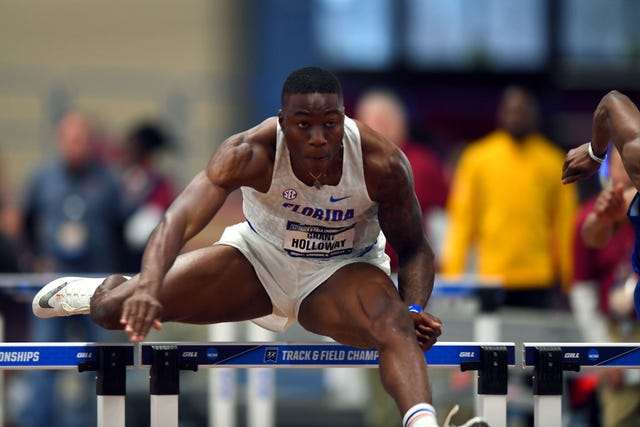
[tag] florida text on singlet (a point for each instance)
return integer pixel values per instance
(333, 221)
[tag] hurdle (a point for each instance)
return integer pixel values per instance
(165, 360)
(22, 287)
(550, 360)
(487, 290)
(108, 360)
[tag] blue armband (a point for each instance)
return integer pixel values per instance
(415, 308)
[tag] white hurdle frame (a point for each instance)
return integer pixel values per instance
(550, 360)
(308, 355)
(109, 360)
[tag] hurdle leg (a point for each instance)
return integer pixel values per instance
(547, 411)
(492, 382)
(547, 385)
(111, 410)
(222, 382)
(494, 409)
(164, 410)
(262, 399)
(164, 386)
(110, 385)
(486, 328)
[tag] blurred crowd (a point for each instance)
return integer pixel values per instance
(500, 211)
(497, 209)
(87, 210)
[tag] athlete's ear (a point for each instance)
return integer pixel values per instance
(280, 117)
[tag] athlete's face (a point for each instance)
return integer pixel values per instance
(313, 126)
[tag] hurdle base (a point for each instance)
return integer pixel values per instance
(547, 410)
(111, 410)
(493, 408)
(164, 410)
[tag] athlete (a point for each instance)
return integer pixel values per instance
(319, 190)
(615, 119)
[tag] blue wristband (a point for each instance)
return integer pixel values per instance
(415, 308)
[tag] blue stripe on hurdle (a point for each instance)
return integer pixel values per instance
(590, 354)
(310, 355)
(54, 355)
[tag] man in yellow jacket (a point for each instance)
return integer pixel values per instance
(507, 201)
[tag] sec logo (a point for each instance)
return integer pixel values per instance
(289, 194)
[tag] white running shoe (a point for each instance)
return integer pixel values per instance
(65, 296)
(473, 422)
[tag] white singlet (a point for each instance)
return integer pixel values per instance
(296, 236)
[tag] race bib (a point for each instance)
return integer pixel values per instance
(316, 241)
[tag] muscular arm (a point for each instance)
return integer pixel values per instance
(242, 160)
(186, 216)
(617, 119)
(390, 183)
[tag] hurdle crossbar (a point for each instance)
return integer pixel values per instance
(58, 356)
(309, 355)
(550, 360)
(108, 360)
(172, 356)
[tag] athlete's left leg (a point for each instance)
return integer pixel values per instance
(359, 306)
(208, 285)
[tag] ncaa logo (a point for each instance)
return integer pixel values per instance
(593, 354)
(212, 353)
(289, 194)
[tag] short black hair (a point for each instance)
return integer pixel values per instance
(149, 136)
(310, 80)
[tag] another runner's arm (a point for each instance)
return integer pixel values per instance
(617, 119)
(239, 161)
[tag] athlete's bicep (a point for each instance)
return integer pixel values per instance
(399, 211)
(620, 116)
(245, 159)
(203, 197)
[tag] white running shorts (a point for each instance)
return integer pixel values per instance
(288, 280)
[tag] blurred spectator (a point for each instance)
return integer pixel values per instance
(602, 292)
(10, 229)
(10, 259)
(73, 224)
(508, 201)
(510, 217)
(147, 191)
(386, 113)
(8, 236)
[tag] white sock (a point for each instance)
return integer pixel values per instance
(420, 415)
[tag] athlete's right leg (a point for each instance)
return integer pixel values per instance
(208, 285)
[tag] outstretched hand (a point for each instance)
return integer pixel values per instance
(140, 312)
(610, 205)
(578, 165)
(428, 329)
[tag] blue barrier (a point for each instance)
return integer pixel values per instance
(108, 360)
(550, 360)
(310, 355)
(166, 359)
(621, 355)
(55, 355)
